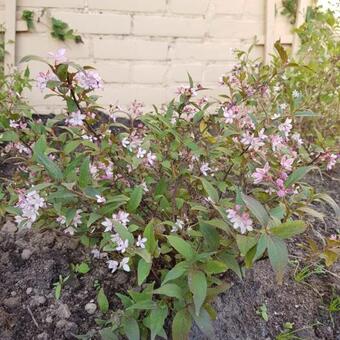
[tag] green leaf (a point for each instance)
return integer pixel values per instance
(50, 166)
(215, 267)
(30, 57)
(157, 319)
(144, 254)
(211, 236)
(131, 329)
(135, 199)
(260, 247)
(232, 263)
(107, 333)
(183, 247)
(9, 136)
(203, 321)
(71, 146)
(198, 286)
(282, 52)
(245, 243)
(83, 268)
(171, 290)
(151, 243)
(93, 218)
(103, 303)
(278, 255)
(218, 223)
(288, 229)
(257, 209)
(298, 174)
(306, 114)
(176, 272)
(124, 233)
(210, 190)
(181, 325)
(143, 270)
(84, 173)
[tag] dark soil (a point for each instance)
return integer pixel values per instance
(31, 261)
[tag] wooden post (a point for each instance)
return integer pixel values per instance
(300, 18)
(10, 30)
(269, 30)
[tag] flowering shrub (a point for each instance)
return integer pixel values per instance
(179, 195)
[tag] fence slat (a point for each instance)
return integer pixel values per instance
(10, 30)
(269, 30)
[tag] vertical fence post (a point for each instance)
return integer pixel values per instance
(10, 30)
(269, 30)
(300, 18)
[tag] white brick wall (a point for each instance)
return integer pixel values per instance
(144, 48)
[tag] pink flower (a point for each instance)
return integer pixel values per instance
(287, 162)
(151, 157)
(286, 127)
(332, 158)
(43, 78)
(89, 80)
(240, 220)
(277, 142)
(76, 118)
(297, 138)
(254, 143)
(59, 56)
(229, 114)
(205, 169)
(260, 174)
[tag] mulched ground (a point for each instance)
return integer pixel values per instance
(31, 261)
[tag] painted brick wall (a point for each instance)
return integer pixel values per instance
(143, 49)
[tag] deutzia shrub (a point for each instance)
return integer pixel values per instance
(179, 195)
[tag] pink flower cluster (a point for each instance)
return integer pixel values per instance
(29, 203)
(89, 80)
(240, 219)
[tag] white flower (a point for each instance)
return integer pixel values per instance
(283, 106)
(240, 220)
(124, 264)
(97, 254)
(204, 169)
(179, 225)
(107, 224)
(286, 127)
(145, 187)
(141, 153)
(141, 241)
(113, 265)
(296, 94)
(122, 217)
(58, 56)
(122, 246)
(76, 118)
(30, 203)
(77, 218)
(151, 158)
(125, 142)
(100, 199)
(13, 124)
(69, 230)
(297, 138)
(89, 80)
(61, 220)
